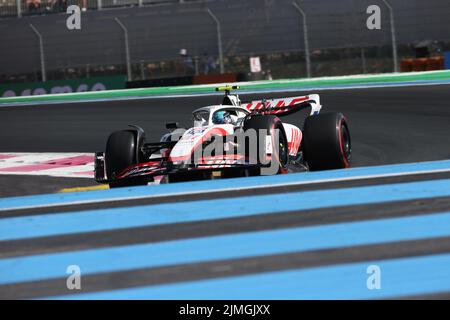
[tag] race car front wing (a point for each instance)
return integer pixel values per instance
(163, 166)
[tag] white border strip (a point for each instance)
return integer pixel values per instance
(382, 175)
(412, 83)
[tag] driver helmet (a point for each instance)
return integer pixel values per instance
(221, 117)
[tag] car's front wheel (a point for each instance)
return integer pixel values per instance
(120, 153)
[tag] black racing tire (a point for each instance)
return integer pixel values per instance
(120, 153)
(327, 142)
(271, 125)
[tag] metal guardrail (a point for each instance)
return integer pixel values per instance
(293, 38)
(18, 8)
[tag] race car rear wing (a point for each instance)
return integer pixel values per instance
(285, 106)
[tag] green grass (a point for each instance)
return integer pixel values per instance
(257, 85)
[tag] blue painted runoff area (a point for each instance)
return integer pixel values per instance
(150, 215)
(399, 277)
(217, 185)
(224, 247)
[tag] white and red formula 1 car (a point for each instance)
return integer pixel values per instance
(229, 140)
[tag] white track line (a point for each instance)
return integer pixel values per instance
(243, 91)
(237, 188)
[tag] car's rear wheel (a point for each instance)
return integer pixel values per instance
(327, 142)
(120, 153)
(267, 127)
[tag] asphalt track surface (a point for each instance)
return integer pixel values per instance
(389, 125)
